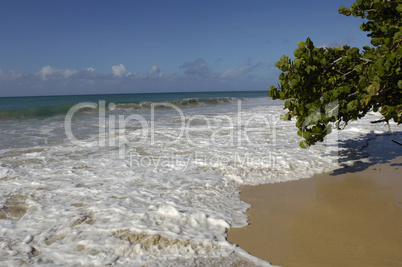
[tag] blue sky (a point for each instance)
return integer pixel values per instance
(54, 47)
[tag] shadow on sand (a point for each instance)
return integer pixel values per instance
(368, 150)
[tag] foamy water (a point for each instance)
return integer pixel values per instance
(162, 190)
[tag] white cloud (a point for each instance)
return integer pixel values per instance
(47, 71)
(232, 73)
(198, 67)
(10, 76)
(333, 44)
(68, 73)
(119, 70)
(196, 76)
(155, 71)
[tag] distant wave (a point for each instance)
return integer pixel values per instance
(35, 112)
(181, 103)
(56, 110)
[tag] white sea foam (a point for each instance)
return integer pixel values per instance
(166, 201)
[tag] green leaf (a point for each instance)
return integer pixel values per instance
(316, 129)
(298, 53)
(300, 44)
(309, 44)
(373, 89)
(300, 133)
(344, 10)
(352, 105)
(307, 135)
(298, 62)
(278, 64)
(285, 117)
(303, 144)
(359, 68)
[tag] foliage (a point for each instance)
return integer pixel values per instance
(323, 86)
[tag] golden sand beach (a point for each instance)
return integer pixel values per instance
(350, 217)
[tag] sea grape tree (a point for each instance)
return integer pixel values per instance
(332, 86)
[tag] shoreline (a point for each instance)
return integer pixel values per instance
(348, 217)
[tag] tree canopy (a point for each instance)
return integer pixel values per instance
(323, 86)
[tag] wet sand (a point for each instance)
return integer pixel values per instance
(352, 217)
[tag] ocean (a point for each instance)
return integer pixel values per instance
(146, 179)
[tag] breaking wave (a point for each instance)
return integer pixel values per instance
(180, 103)
(41, 112)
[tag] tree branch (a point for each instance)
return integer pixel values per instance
(339, 59)
(397, 142)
